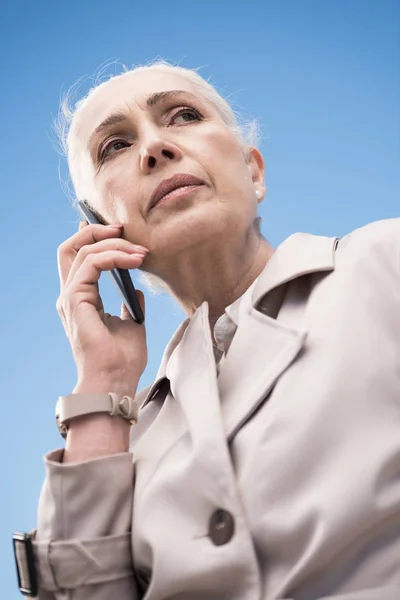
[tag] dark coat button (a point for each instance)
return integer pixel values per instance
(221, 527)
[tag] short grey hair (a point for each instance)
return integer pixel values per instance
(247, 131)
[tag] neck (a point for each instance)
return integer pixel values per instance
(217, 274)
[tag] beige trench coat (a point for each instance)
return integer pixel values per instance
(278, 479)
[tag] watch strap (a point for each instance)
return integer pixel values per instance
(76, 405)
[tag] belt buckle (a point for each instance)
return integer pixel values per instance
(25, 563)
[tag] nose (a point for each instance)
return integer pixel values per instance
(156, 153)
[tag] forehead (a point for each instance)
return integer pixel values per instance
(128, 90)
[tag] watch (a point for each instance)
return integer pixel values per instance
(76, 405)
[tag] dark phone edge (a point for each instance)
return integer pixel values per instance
(132, 296)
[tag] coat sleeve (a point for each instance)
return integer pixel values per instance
(83, 540)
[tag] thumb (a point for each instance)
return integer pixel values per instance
(125, 314)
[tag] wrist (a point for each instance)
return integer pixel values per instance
(96, 435)
(98, 385)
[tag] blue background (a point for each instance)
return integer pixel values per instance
(322, 78)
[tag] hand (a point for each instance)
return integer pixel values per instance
(110, 352)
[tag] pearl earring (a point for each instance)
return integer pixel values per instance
(258, 193)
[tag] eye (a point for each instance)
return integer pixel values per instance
(112, 147)
(185, 115)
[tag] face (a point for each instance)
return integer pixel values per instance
(148, 128)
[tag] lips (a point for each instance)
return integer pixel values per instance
(169, 185)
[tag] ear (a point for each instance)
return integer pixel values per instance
(256, 166)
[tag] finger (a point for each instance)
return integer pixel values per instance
(104, 245)
(68, 250)
(125, 314)
(82, 224)
(89, 234)
(141, 299)
(89, 272)
(99, 303)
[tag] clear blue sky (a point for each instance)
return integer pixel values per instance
(323, 78)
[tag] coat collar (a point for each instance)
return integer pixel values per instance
(298, 255)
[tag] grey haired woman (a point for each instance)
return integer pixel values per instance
(265, 460)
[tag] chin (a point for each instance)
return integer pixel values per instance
(190, 230)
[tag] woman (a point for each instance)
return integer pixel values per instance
(266, 455)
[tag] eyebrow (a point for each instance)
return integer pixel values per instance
(159, 97)
(152, 100)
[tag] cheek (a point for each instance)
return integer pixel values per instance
(120, 188)
(223, 158)
(115, 177)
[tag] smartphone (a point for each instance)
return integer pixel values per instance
(120, 277)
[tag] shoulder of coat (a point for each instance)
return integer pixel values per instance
(383, 233)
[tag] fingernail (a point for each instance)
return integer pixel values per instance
(138, 255)
(116, 226)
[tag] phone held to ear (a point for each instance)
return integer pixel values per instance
(120, 277)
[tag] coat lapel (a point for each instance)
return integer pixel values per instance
(148, 393)
(261, 351)
(263, 346)
(192, 373)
